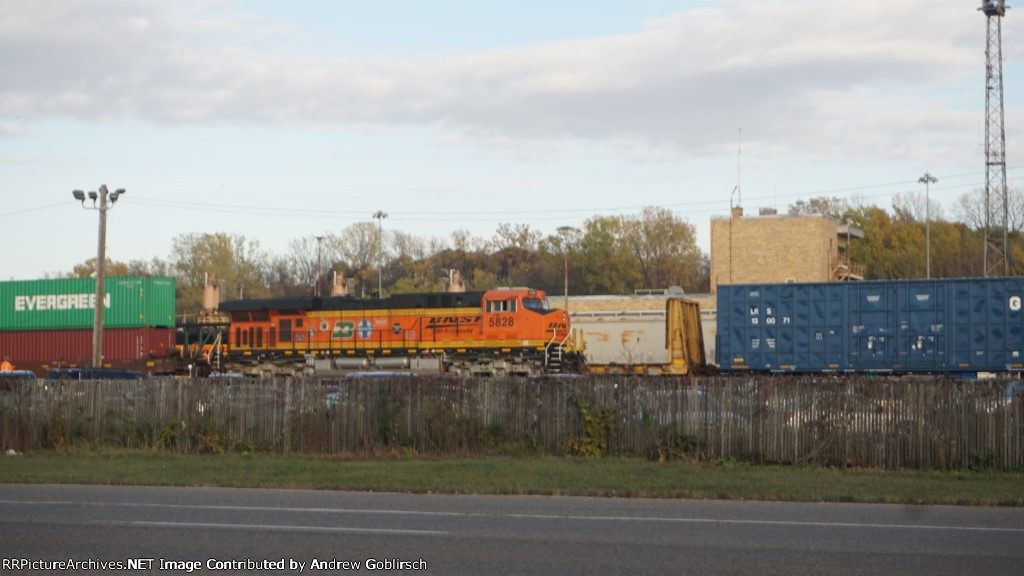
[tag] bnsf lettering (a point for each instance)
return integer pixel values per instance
(558, 325)
(451, 321)
(501, 321)
(58, 302)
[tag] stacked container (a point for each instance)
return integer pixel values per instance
(47, 323)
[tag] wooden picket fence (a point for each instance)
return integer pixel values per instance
(841, 421)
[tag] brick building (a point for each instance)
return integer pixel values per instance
(780, 248)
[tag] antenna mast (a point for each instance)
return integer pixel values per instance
(997, 259)
(739, 143)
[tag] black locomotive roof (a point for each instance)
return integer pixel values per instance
(283, 303)
(401, 301)
(397, 301)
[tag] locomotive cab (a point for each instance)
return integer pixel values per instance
(522, 314)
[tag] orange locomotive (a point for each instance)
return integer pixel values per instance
(506, 331)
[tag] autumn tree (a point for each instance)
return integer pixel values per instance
(559, 269)
(608, 267)
(514, 236)
(970, 210)
(412, 266)
(309, 261)
(665, 249)
(359, 249)
(111, 268)
(892, 247)
(513, 259)
(833, 207)
(237, 263)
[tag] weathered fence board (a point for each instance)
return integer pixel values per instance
(884, 423)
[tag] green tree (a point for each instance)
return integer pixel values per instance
(559, 256)
(608, 267)
(111, 268)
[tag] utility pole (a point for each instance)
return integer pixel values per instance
(101, 257)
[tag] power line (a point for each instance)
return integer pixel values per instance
(540, 214)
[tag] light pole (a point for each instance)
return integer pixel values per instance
(927, 180)
(380, 215)
(101, 255)
(568, 233)
(319, 265)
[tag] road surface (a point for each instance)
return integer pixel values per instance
(52, 529)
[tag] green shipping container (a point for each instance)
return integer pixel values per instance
(69, 303)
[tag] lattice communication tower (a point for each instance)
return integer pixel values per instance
(997, 259)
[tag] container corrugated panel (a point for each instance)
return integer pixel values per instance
(69, 303)
(987, 328)
(30, 348)
(954, 325)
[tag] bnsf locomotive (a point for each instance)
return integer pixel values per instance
(506, 331)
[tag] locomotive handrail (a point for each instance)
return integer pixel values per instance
(560, 346)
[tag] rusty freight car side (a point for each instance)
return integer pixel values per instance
(653, 342)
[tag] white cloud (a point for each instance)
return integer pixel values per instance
(824, 79)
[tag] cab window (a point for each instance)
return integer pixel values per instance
(536, 304)
(508, 305)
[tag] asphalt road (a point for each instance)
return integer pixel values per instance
(232, 531)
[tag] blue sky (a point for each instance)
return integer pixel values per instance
(288, 120)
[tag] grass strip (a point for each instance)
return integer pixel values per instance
(620, 477)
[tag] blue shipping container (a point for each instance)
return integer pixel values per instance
(949, 325)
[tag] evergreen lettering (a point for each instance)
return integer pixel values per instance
(58, 302)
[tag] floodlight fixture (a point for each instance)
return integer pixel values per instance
(101, 257)
(993, 7)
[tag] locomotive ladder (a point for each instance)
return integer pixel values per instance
(216, 350)
(553, 354)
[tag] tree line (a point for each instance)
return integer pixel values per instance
(606, 255)
(655, 249)
(894, 246)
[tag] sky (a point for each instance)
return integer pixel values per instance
(283, 121)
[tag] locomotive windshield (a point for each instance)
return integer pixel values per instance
(536, 304)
